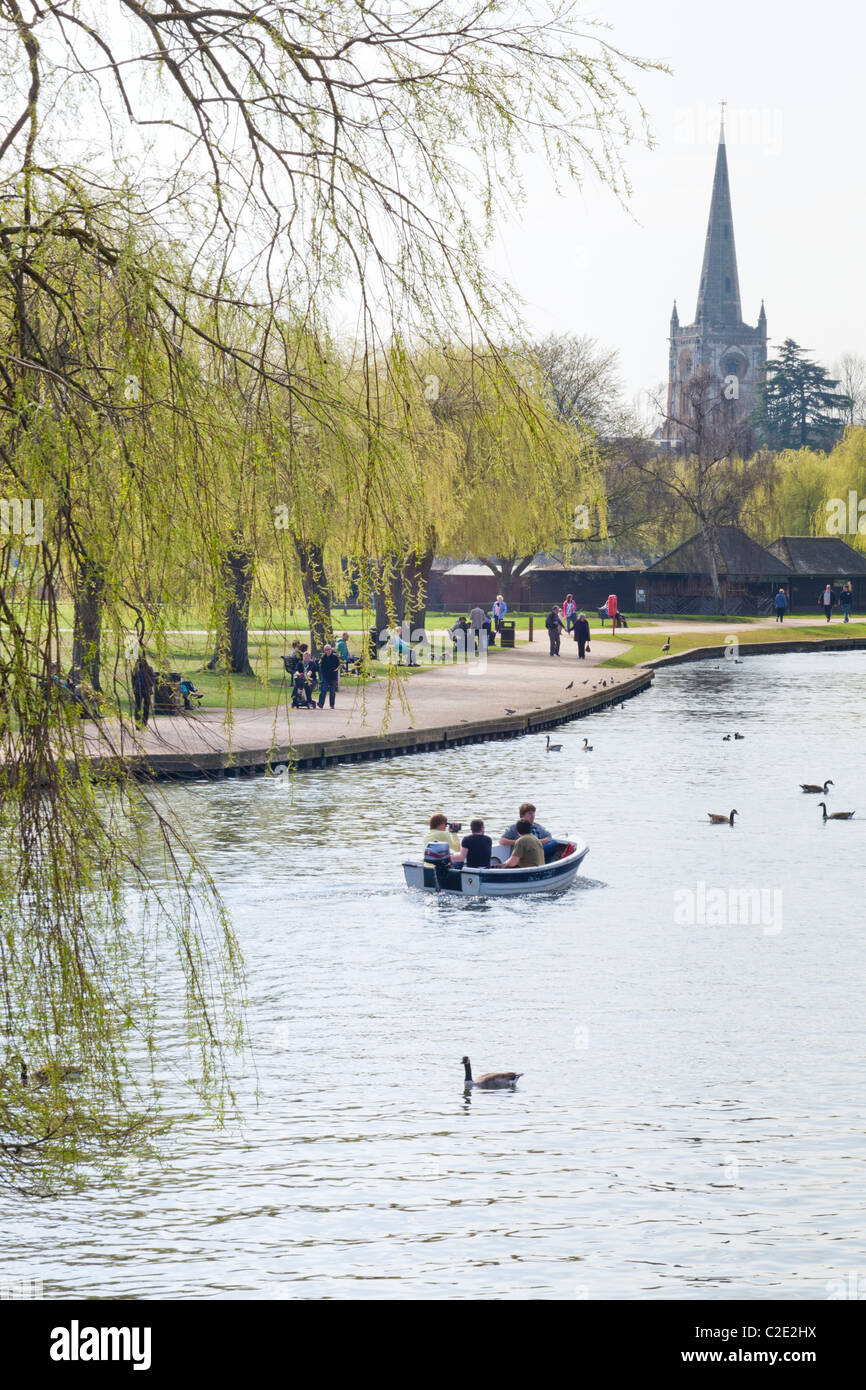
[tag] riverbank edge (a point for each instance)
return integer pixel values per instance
(242, 762)
(844, 644)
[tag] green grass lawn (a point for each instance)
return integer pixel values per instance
(649, 648)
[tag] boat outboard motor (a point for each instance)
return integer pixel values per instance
(438, 853)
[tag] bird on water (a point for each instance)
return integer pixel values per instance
(835, 815)
(814, 787)
(491, 1081)
(44, 1076)
(722, 820)
(552, 747)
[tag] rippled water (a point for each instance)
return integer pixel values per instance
(691, 1121)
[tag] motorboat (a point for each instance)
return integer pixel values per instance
(557, 874)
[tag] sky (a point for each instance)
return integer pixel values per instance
(793, 78)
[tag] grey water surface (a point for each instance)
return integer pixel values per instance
(689, 1018)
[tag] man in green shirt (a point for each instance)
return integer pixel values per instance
(527, 853)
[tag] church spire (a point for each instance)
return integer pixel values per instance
(719, 294)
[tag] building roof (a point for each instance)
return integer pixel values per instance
(737, 555)
(819, 555)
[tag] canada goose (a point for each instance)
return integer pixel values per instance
(739, 735)
(835, 815)
(727, 738)
(722, 820)
(43, 1076)
(552, 747)
(587, 746)
(667, 646)
(492, 1080)
(811, 787)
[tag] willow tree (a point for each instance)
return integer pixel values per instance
(243, 165)
(522, 468)
(96, 464)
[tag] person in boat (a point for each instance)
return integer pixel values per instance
(440, 832)
(527, 852)
(475, 848)
(513, 833)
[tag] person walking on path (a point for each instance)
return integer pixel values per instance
(329, 675)
(847, 598)
(500, 608)
(569, 612)
(581, 634)
(553, 623)
(781, 603)
(828, 598)
(612, 607)
(143, 680)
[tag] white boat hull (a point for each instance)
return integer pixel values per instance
(554, 877)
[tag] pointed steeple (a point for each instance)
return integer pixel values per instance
(719, 294)
(675, 318)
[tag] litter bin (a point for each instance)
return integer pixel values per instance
(506, 638)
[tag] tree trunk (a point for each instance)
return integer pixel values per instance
(390, 600)
(233, 645)
(507, 572)
(416, 573)
(87, 622)
(710, 550)
(317, 593)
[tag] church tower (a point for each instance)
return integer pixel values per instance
(718, 342)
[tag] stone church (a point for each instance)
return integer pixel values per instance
(732, 352)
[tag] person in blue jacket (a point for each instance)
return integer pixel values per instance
(781, 602)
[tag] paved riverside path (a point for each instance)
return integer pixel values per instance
(454, 697)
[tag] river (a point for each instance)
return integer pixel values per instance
(690, 1122)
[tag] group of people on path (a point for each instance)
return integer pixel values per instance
(481, 628)
(529, 842)
(567, 617)
(829, 599)
(309, 675)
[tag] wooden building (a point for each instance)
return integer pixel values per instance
(814, 562)
(681, 581)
